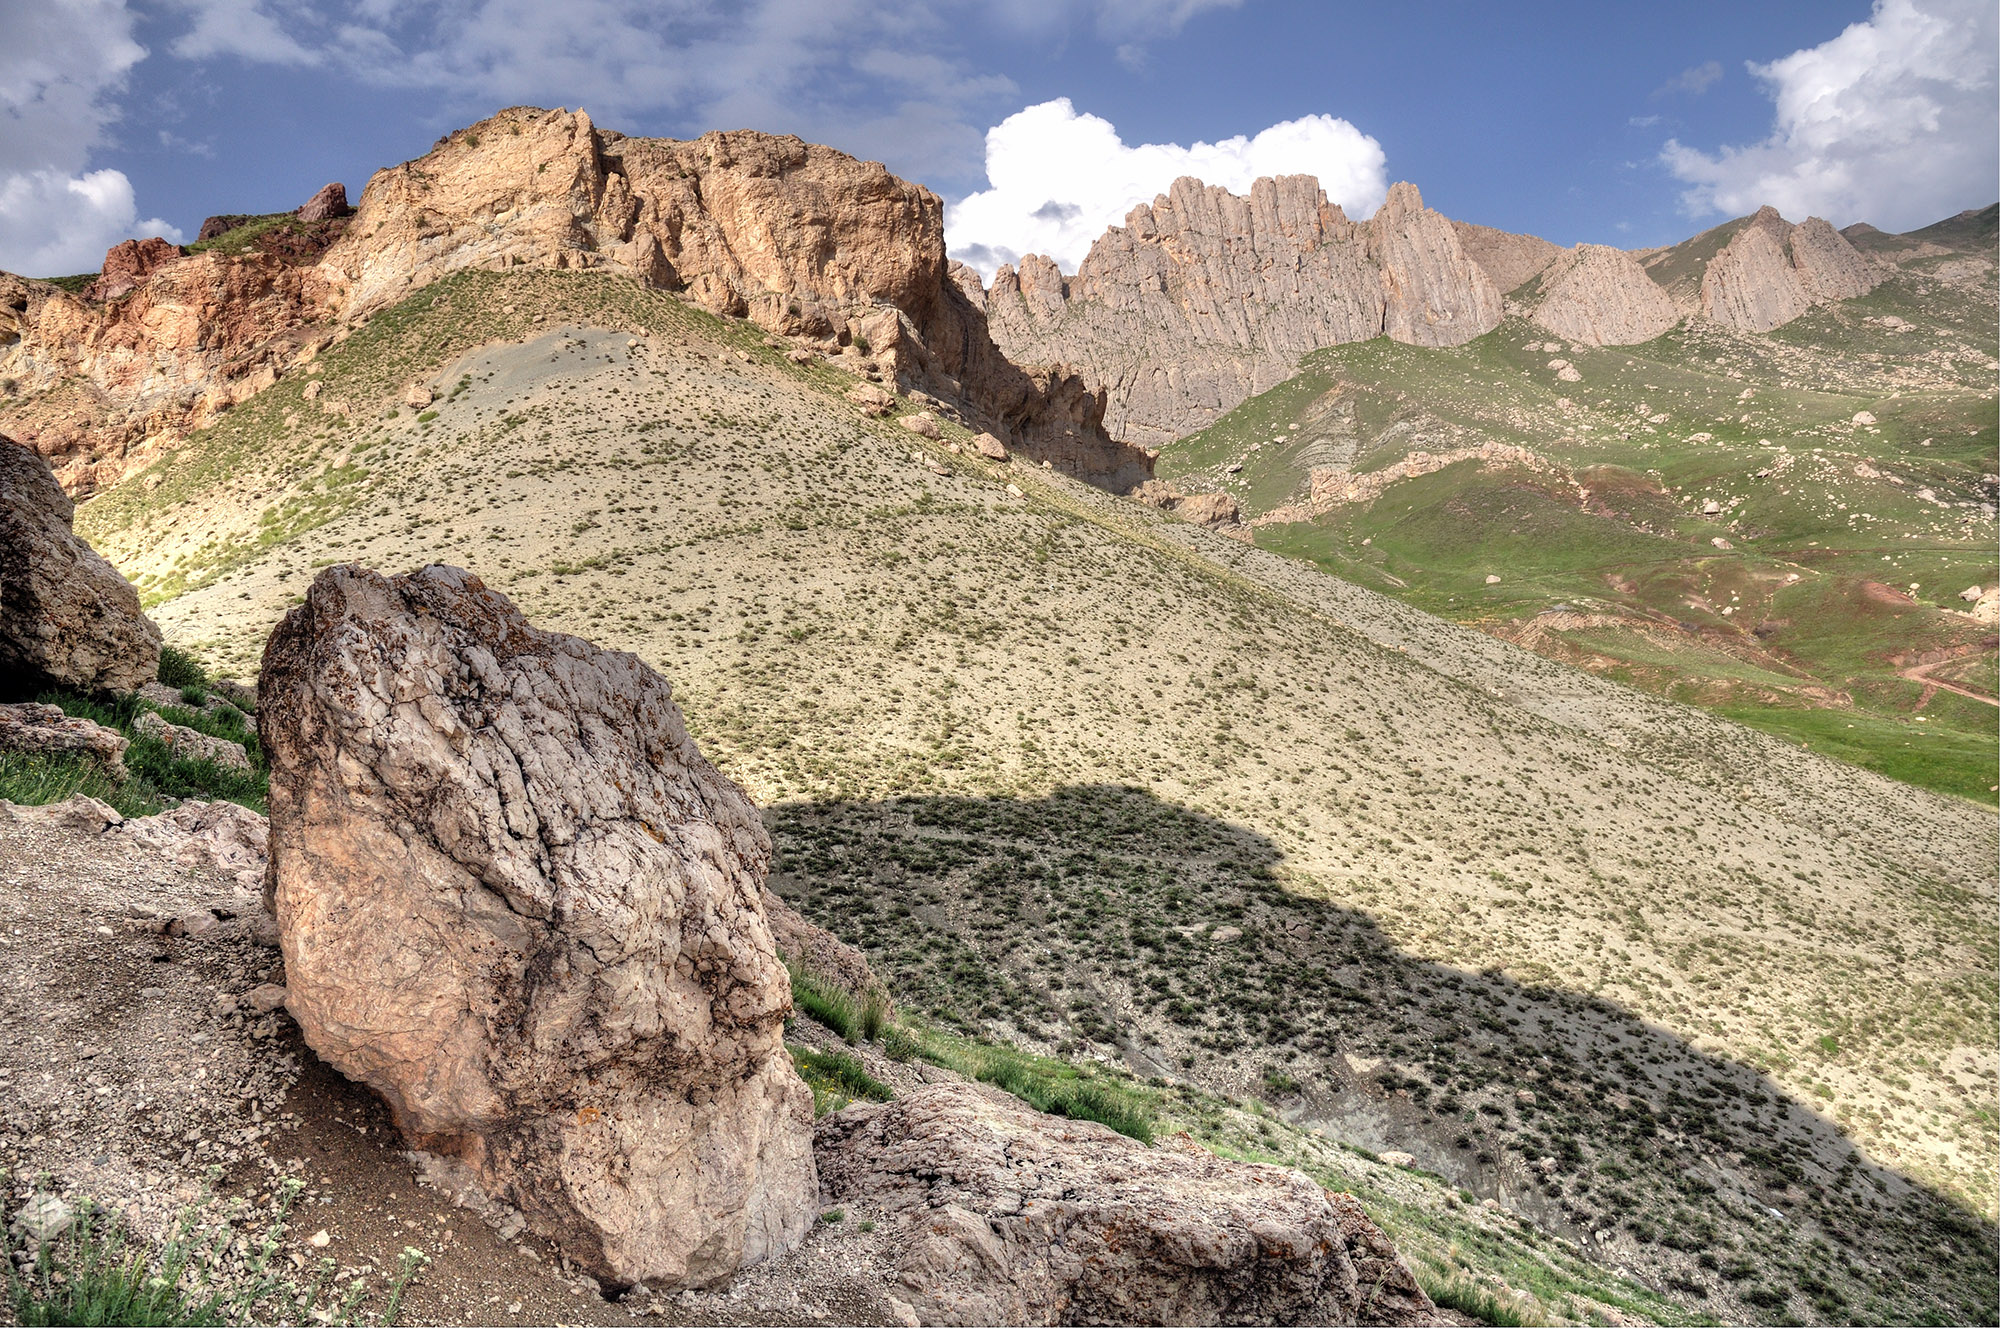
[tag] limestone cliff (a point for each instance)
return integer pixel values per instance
(1204, 298)
(807, 241)
(1601, 297)
(1771, 271)
(1511, 260)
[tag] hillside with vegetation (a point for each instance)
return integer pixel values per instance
(1793, 529)
(1292, 857)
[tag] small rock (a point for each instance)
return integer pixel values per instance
(1396, 1158)
(1492, 580)
(418, 396)
(1224, 935)
(191, 745)
(311, 392)
(1711, 508)
(989, 447)
(1721, 543)
(320, 1239)
(43, 1218)
(265, 998)
(330, 202)
(1970, 594)
(1863, 417)
(924, 424)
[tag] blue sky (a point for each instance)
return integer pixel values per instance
(1625, 124)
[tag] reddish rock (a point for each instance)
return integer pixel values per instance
(128, 264)
(328, 203)
(222, 225)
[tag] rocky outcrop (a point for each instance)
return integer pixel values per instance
(1601, 296)
(326, 205)
(1004, 1215)
(517, 901)
(45, 730)
(802, 239)
(188, 744)
(1771, 271)
(107, 386)
(1204, 298)
(220, 836)
(127, 265)
(67, 617)
(1217, 511)
(1512, 261)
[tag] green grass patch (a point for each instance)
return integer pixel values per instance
(1938, 757)
(158, 777)
(836, 1079)
(853, 1017)
(1044, 1083)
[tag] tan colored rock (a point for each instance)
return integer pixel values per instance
(45, 730)
(1204, 298)
(801, 239)
(989, 447)
(923, 424)
(821, 953)
(1600, 296)
(1512, 261)
(1771, 271)
(1215, 510)
(191, 744)
(1435, 295)
(517, 901)
(874, 400)
(1003, 1215)
(66, 616)
(418, 395)
(221, 836)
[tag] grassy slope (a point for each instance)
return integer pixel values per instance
(1829, 523)
(1036, 753)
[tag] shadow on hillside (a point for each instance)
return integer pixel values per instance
(1102, 918)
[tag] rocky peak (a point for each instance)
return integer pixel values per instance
(330, 202)
(1771, 271)
(1511, 260)
(1601, 296)
(1204, 297)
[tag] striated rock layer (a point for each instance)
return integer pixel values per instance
(1004, 1215)
(805, 240)
(1511, 260)
(66, 615)
(1602, 297)
(1771, 271)
(517, 901)
(1204, 298)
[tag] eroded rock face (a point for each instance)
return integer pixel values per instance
(66, 615)
(128, 264)
(1771, 271)
(1004, 1215)
(1510, 260)
(801, 239)
(1204, 298)
(517, 901)
(1601, 296)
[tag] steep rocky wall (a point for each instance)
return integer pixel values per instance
(802, 239)
(1601, 296)
(1773, 271)
(1204, 298)
(807, 241)
(1511, 260)
(104, 384)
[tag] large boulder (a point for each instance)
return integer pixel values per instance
(326, 205)
(1004, 1215)
(66, 616)
(517, 901)
(128, 264)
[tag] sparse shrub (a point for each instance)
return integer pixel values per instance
(180, 669)
(836, 1079)
(1455, 1291)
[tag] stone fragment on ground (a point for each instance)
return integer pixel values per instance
(1003, 1215)
(44, 730)
(923, 424)
(67, 618)
(517, 901)
(193, 745)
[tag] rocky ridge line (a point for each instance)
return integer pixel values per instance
(1204, 298)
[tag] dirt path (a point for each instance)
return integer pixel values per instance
(1922, 673)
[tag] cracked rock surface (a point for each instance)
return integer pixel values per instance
(1005, 1215)
(517, 901)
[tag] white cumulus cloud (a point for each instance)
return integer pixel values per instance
(60, 67)
(1894, 122)
(53, 224)
(1057, 179)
